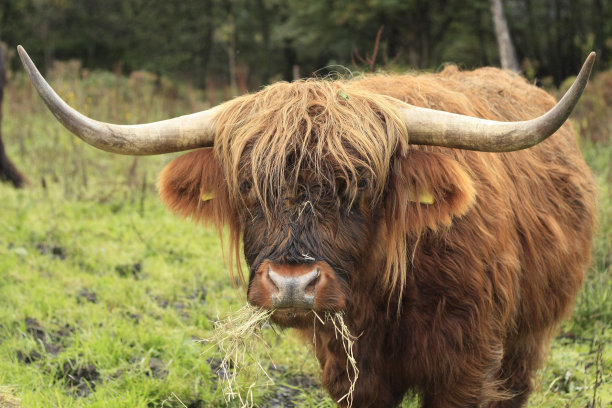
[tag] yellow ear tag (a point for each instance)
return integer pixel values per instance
(424, 197)
(208, 195)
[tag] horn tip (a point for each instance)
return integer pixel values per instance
(29, 66)
(23, 55)
(590, 60)
(587, 68)
(592, 55)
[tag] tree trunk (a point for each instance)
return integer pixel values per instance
(507, 54)
(231, 53)
(8, 171)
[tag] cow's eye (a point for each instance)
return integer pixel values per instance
(245, 186)
(362, 183)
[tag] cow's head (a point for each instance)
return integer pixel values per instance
(312, 175)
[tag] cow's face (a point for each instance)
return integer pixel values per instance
(304, 240)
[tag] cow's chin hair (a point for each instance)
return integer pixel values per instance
(295, 318)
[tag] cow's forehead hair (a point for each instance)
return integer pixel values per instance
(286, 127)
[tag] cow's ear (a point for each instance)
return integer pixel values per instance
(427, 190)
(193, 185)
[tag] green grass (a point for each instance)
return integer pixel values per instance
(100, 285)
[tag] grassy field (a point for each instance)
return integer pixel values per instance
(105, 296)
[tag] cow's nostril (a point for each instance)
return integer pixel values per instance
(274, 277)
(315, 278)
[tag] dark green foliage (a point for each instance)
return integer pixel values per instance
(248, 43)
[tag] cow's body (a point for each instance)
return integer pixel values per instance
(453, 267)
(490, 270)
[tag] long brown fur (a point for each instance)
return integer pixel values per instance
(456, 299)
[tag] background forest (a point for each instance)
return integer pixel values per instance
(109, 300)
(254, 42)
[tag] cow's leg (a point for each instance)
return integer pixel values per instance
(457, 394)
(468, 381)
(518, 369)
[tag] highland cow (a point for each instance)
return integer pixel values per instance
(431, 209)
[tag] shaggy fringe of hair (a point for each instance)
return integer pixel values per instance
(314, 121)
(309, 124)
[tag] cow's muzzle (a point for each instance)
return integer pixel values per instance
(296, 289)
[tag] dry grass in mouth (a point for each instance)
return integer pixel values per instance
(239, 338)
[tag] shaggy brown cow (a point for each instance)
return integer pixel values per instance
(452, 265)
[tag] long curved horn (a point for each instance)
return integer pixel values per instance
(438, 128)
(172, 135)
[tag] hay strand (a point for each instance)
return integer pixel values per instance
(237, 337)
(348, 340)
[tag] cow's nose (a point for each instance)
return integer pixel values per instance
(295, 290)
(287, 286)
